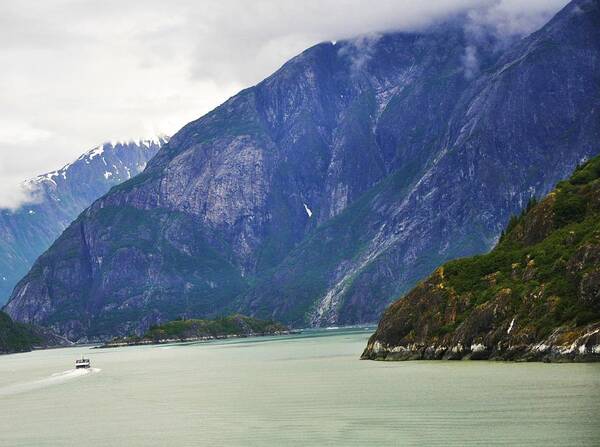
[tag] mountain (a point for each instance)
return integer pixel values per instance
(59, 197)
(536, 296)
(333, 186)
(523, 124)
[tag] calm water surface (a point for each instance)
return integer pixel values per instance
(308, 390)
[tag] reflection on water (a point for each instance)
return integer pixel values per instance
(303, 390)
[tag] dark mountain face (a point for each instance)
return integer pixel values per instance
(20, 337)
(16, 337)
(60, 196)
(332, 186)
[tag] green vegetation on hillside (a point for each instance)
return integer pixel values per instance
(539, 252)
(536, 295)
(182, 329)
(211, 279)
(16, 337)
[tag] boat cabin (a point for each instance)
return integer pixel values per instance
(82, 363)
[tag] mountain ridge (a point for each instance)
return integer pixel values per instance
(57, 197)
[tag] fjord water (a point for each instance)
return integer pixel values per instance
(306, 390)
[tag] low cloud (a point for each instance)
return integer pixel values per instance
(359, 51)
(510, 18)
(16, 197)
(78, 74)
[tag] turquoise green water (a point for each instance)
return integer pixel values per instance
(290, 391)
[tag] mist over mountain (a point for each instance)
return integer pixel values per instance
(325, 191)
(107, 76)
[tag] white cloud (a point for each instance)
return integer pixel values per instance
(78, 72)
(15, 197)
(360, 51)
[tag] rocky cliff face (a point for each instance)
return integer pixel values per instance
(506, 139)
(58, 197)
(536, 296)
(326, 190)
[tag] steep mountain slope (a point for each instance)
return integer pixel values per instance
(20, 337)
(59, 197)
(16, 337)
(520, 127)
(536, 296)
(332, 186)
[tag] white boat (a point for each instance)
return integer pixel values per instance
(82, 363)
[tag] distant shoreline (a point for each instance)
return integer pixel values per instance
(148, 342)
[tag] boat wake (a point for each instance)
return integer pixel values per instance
(54, 379)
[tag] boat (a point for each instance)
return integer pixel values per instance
(82, 363)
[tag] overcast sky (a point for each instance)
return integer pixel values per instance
(76, 73)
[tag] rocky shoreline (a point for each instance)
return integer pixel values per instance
(144, 342)
(584, 347)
